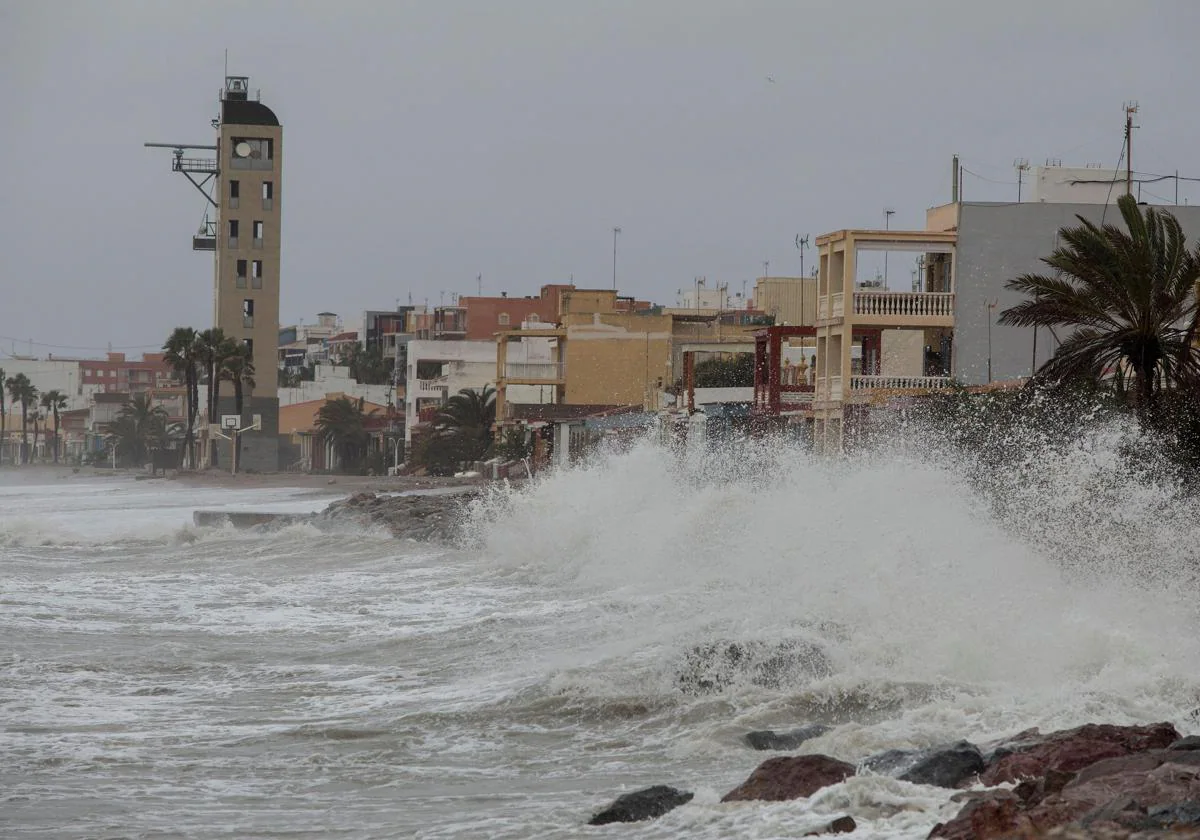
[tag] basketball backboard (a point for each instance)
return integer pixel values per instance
(230, 421)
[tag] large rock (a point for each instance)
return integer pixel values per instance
(428, 518)
(642, 805)
(946, 766)
(790, 777)
(1155, 789)
(768, 739)
(842, 825)
(715, 666)
(1073, 749)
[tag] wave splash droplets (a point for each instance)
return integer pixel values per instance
(901, 567)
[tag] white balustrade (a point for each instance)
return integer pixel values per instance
(534, 370)
(905, 304)
(839, 305)
(900, 383)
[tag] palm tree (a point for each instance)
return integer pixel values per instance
(468, 418)
(213, 350)
(1129, 297)
(3, 417)
(55, 401)
(22, 391)
(181, 352)
(140, 429)
(342, 423)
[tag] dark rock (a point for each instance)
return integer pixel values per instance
(429, 518)
(1174, 814)
(842, 825)
(790, 777)
(890, 762)
(642, 805)
(767, 739)
(1191, 742)
(1074, 749)
(946, 766)
(715, 666)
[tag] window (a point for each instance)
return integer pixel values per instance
(502, 319)
(251, 153)
(233, 233)
(268, 195)
(534, 318)
(248, 313)
(235, 193)
(258, 234)
(241, 274)
(256, 274)
(248, 343)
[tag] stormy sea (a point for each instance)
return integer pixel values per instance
(162, 680)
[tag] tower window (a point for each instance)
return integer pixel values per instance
(256, 274)
(235, 194)
(241, 274)
(258, 234)
(502, 319)
(248, 343)
(233, 233)
(252, 153)
(268, 195)
(248, 313)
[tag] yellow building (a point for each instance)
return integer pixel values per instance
(791, 300)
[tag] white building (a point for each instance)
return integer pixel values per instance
(467, 364)
(1077, 185)
(334, 379)
(701, 296)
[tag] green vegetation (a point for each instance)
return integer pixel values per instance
(368, 365)
(461, 432)
(22, 391)
(735, 372)
(55, 401)
(140, 431)
(342, 422)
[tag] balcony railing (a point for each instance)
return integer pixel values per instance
(900, 383)
(547, 371)
(822, 307)
(431, 388)
(905, 304)
(203, 165)
(838, 305)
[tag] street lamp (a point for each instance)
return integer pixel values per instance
(616, 230)
(991, 305)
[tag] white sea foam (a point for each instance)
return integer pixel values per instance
(154, 678)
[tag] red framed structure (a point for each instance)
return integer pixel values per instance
(771, 392)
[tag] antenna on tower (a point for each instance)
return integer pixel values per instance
(1131, 108)
(1021, 165)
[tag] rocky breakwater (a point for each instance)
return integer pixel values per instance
(434, 517)
(1095, 781)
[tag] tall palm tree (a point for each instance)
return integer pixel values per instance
(1129, 298)
(3, 417)
(342, 423)
(213, 350)
(55, 401)
(468, 418)
(181, 352)
(139, 430)
(22, 391)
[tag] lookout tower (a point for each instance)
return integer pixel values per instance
(242, 183)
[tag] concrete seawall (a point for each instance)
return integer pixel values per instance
(239, 519)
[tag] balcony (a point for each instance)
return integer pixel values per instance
(205, 166)
(837, 305)
(535, 373)
(899, 383)
(822, 308)
(920, 308)
(430, 389)
(204, 243)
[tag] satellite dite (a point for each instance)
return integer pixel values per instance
(240, 176)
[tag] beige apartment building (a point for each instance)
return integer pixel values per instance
(872, 340)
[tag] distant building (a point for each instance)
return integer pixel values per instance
(791, 301)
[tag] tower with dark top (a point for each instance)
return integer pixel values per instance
(243, 185)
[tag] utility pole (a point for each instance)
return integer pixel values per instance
(616, 230)
(801, 244)
(1131, 108)
(1021, 165)
(766, 268)
(887, 225)
(479, 283)
(991, 306)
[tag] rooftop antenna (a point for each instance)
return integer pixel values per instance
(1021, 165)
(1131, 108)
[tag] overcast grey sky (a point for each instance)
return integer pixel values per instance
(427, 142)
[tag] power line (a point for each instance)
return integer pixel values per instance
(29, 341)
